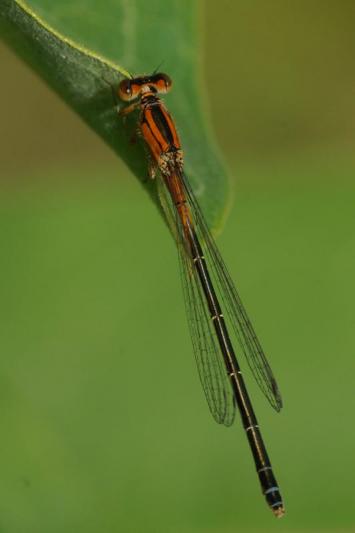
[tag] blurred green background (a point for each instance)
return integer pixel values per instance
(104, 423)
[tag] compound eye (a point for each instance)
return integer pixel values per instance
(163, 83)
(125, 90)
(168, 82)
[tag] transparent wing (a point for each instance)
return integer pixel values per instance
(213, 376)
(235, 311)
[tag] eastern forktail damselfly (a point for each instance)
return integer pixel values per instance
(214, 308)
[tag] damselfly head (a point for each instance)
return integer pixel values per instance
(129, 89)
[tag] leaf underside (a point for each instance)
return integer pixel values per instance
(78, 51)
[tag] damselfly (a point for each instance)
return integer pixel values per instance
(206, 281)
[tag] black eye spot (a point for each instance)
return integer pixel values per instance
(125, 89)
(167, 80)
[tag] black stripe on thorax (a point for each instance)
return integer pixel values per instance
(153, 103)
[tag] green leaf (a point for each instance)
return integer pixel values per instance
(81, 48)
